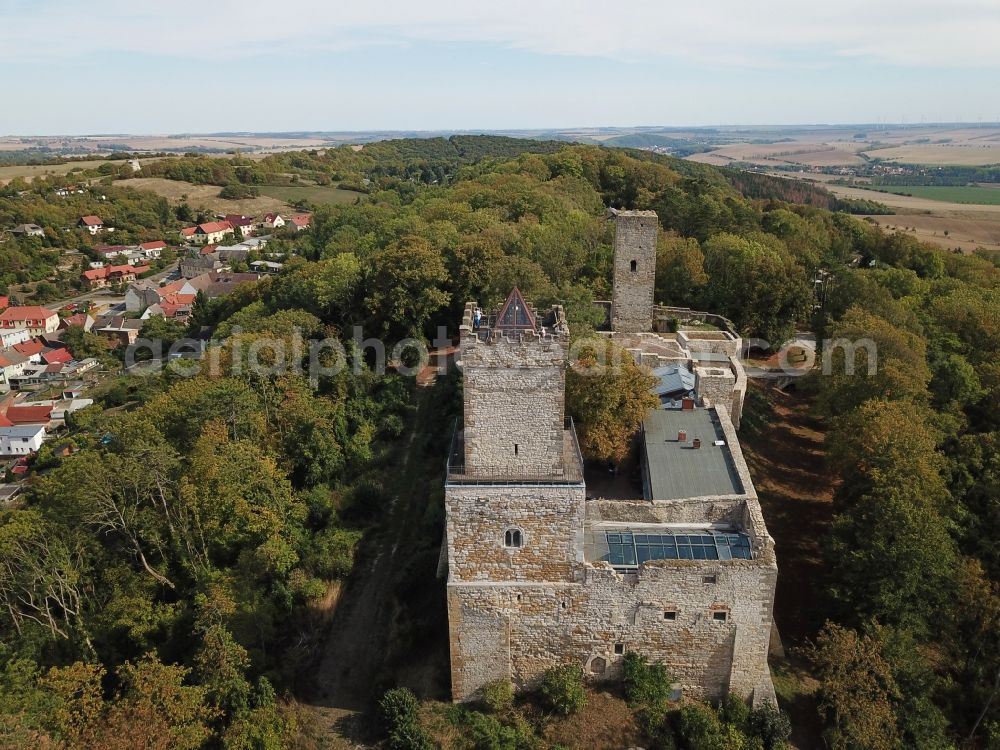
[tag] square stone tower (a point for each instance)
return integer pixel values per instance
(635, 270)
(515, 377)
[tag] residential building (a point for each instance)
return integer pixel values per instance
(153, 250)
(21, 440)
(28, 230)
(93, 224)
(11, 365)
(118, 329)
(300, 221)
(245, 225)
(273, 221)
(37, 320)
(16, 336)
(97, 278)
(211, 232)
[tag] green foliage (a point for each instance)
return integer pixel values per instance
(646, 685)
(398, 709)
(499, 695)
(562, 689)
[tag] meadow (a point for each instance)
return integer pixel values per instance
(316, 194)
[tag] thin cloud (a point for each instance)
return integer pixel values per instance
(911, 33)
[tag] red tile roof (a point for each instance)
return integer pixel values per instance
(188, 231)
(91, 221)
(53, 356)
(4, 301)
(29, 348)
(26, 312)
(301, 220)
(4, 422)
(214, 226)
(157, 245)
(102, 273)
(29, 414)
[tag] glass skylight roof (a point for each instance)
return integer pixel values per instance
(628, 549)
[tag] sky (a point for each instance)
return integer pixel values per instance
(197, 66)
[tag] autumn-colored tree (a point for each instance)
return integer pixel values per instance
(856, 690)
(608, 395)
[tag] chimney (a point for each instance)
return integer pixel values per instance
(687, 404)
(682, 436)
(696, 443)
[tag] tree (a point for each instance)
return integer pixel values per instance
(680, 270)
(609, 395)
(856, 690)
(83, 344)
(562, 689)
(406, 286)
(757, 283)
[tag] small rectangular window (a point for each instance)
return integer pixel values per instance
(670, 615)
(708, 579)
(619, 648)
(720, 616)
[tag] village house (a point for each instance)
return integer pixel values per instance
(193, 267)
(16, 336)
(300, 222)
(246, 225)
(93, 224)
(211, 233)
(37, 320)
(153, 250)
(272, 221)
(111, 251)
(266, 266)
(28, 230)
(82, 320)
(21, 440)
(98, 278)
(118, 329)
(12, 365)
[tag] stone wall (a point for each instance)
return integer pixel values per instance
(715, 384)
(514, 399)
(635, 270)
(550, 518)
(525, 629)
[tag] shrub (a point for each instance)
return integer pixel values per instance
(488, 733)
(562, 689)
(698, 728)
(645, 684)
(771, 725)
(398, 708)
(499, 695)
(734, 711)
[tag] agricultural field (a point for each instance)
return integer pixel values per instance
(970, 154)
(316, 194)
(204, 196)
(808, 154)
(973, 194)
(950, 225)
(29, 172)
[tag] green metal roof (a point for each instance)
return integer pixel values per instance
(676, 470)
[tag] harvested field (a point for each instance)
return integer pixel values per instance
(31, 171)
(204, 196)
(970, 154)
(965, 194)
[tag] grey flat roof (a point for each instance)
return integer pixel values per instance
(28, 430)
(674, 470)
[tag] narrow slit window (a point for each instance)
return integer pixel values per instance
(635, 266)
(515, 449)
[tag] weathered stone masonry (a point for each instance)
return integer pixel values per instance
(515, 611)
(635, 270)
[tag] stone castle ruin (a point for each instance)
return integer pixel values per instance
(541, 572)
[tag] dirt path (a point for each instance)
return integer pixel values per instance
(787, 461)
(356, 643)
